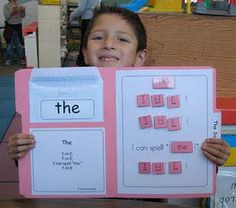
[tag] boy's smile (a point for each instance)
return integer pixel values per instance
(112, 43)
(108, 58)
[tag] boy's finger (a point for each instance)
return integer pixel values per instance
(217, 141)
(21, 141)
(216, 160)
(17, 156)
(219, 148)
(20, 149)
(216, 150)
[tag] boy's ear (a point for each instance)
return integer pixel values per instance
(141, 57)
(85, 55)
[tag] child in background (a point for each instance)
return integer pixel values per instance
(14, 14)
(116, 37)
(85, 11)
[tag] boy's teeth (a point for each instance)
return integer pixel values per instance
(108, 59)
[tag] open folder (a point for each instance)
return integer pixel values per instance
(117, 132)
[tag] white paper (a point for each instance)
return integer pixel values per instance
(153, 145)
(68, 161)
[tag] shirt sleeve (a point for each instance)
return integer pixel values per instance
(79, 10)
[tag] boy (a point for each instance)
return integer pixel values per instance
(116, 37)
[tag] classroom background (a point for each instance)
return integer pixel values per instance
(198, 35)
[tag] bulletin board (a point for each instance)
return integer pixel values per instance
(119, 132)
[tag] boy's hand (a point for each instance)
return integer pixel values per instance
(21, 8)
(19, 145)
(216, 150)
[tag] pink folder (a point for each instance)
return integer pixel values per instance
(99, 133)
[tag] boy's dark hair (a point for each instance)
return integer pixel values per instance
(131, 17)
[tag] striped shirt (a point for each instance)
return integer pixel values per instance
(13, 16)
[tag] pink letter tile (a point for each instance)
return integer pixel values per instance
(160, 122)
(173, 124)
(158, 168)
(182, 147)
(175, 167)
(157, 100)
(144, 167)
(143, 100)
(145, 121)
(163, 82)
(173, 101)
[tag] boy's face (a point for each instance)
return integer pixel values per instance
(112, 43)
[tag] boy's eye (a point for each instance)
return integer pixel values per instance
(98, 37)
(122, 39)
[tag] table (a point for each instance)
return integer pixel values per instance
(83, 203)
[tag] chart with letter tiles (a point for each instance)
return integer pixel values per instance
(118, 132)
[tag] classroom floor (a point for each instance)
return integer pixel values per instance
(7, 70)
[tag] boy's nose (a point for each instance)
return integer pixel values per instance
(109, 44)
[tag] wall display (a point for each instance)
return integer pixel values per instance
(228, 133)
(119, 132)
